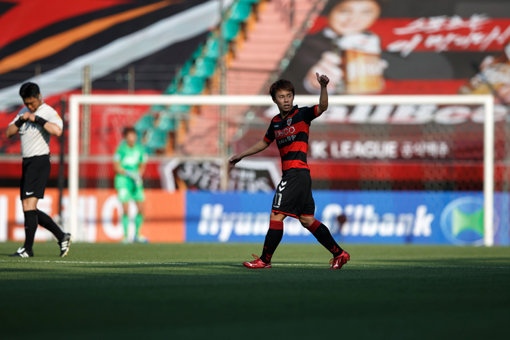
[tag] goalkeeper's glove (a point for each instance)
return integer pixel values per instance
(135, 176)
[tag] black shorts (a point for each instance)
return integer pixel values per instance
(293, 196)
(34, 176)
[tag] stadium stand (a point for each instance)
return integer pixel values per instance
(255, 62)
(256, 39)
(158, 126)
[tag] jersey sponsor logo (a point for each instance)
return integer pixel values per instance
(133, 158)
(286, 140)
(285, 132)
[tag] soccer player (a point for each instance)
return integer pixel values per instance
(293, 196)
(35, 123)
(129, 164)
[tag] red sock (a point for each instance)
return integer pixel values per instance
(273, 237)
(323, 235)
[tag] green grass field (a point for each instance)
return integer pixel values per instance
(201, 291)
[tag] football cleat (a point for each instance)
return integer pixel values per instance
(21, 252)
(338, 261)
(257, 263)
(141, 239)
(65, 244)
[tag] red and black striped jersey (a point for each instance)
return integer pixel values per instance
(291, 135)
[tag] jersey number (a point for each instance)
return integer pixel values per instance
(277, 200)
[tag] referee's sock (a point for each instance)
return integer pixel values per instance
(48, 223)
(322, 234)
(30, 228)
(273, 237)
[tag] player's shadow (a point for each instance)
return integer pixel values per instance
(493, 261)
(164, 265)
(20, 270)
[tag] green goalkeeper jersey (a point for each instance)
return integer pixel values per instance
(130, 158)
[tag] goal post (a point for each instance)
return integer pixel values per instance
(486, 101)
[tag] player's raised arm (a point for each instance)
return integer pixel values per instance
(255, 148)
(323, 99)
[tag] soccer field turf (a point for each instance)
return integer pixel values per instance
(201, 291)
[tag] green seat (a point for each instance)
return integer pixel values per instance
(205, 67)
(184, 71)
(156, 139)
(198, 52)
(157, 108)
(144, 123)
(192, 85)
(230, 29)
(240, 11)
(212, 48)
(167, 122)
(172, 88)
(180, 108)
(140, 134)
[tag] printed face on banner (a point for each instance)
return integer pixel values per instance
(353, 16)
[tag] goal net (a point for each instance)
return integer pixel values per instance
(386, 169)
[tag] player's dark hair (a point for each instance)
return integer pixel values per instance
(29, 90)
(127, 130)
(281, 84)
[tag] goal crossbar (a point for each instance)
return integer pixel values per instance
(487, 101)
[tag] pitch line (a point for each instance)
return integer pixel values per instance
(325, 265)
(151, 263)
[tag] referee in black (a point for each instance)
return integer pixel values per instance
(36, 122)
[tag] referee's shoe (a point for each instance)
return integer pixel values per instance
(22, 252)
(65, 244)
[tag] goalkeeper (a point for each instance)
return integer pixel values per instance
(129, 164)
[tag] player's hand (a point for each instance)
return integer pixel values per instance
(135, 176)
(26, 116)
(31, 116)
(330, 63)
(487, 61)
(322, 79)
(233, 161)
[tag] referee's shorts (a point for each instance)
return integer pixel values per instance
(34, 176)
